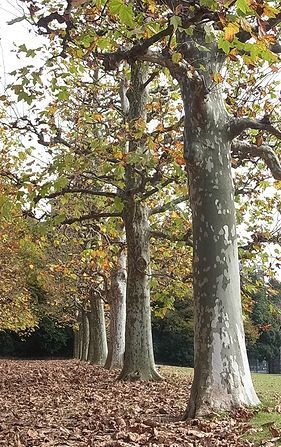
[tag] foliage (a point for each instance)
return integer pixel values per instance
(49, 339)
(17, 307)
(173, 335)
(266, 317)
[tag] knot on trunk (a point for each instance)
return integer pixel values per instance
(141, 264)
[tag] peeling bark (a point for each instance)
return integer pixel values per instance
(84, 336)
(117, 313)
(98, 342)
(222, 379)
(76, 344)
(138, 358)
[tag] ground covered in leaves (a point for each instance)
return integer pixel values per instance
(70, 403)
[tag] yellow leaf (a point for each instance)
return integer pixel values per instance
(176, 57)
(269, 11)
(217, 77)
(151, 6)
(230, 30)
(97, 117)
(245, 25)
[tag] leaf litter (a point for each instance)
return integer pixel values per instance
(65, 403)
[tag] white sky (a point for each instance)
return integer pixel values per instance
(17, 33)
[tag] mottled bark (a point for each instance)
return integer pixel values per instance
(76, 354)
(84, 347)
(222, 379)
(98, 342)
(138, 358)
(117, 301)
(78, 339)
(77, 343)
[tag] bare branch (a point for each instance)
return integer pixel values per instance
(169, 205)
(238, 125)
(150, 79)
(171, 237)
(264, 152)
(75, 191)
(260, 238)
(91, 216)
(156, 189)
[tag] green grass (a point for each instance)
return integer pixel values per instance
(266, 420)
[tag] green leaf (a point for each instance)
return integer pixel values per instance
(224, 45)
(189, 31)
(242, 5)
(176, 22)
(63, 94)
(125, 12)
(60, 183)
(176, 57)
(126, 15)
(118, 204)
(115, 5)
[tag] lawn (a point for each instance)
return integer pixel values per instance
(266, 420)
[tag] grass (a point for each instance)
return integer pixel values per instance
(266, 420)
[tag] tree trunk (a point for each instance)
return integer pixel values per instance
(222, 379)
(274, 364)
(98, 343)
(138, 358)
(117, 313)
(76, 354)
(77, 336)
(84, 336)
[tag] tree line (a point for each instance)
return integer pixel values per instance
(132, 101)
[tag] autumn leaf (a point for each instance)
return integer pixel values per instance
(259, 139)
(217, 77)
(230, 31)
(71, 403)
(78, 2)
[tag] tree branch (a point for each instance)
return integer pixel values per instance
(76, 191)
(156, 189)
(259, 238)
(168, 206)
(264, 152)
(238, 125)
(93, 215)
(171, 237)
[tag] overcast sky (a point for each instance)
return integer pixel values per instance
(9, 34)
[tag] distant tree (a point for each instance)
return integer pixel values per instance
(173, 334)
(266, 316)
